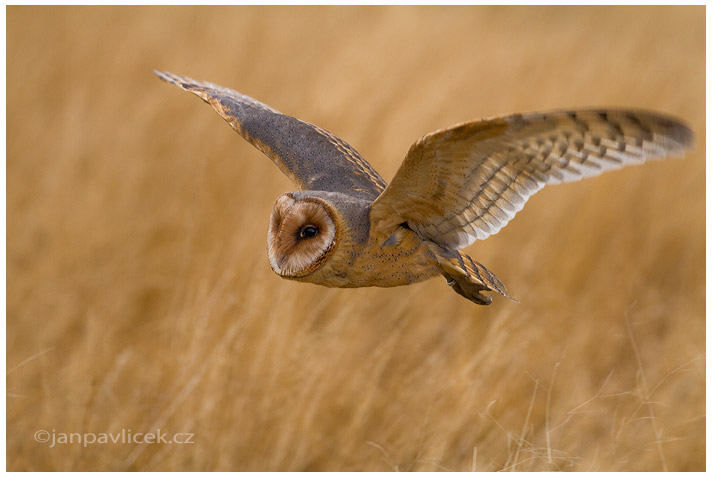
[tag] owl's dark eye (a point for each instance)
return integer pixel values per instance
(308, 231)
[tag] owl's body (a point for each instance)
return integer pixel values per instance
(363, 258)
(346, 227)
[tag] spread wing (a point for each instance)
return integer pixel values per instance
(465, 183)
(311, 157)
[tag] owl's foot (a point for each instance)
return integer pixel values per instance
(469, 278)
(468, 289)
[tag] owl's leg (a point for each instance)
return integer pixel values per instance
(468, 278)
(467, 289)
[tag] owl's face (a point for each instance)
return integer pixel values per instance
(302, 235)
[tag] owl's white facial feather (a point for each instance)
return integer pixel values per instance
(301, 236)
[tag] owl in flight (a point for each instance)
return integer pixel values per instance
(346, 227)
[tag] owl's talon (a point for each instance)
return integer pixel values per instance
(470, 290)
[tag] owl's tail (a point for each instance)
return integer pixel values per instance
(468, 278)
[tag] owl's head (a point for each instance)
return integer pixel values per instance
(302, 235)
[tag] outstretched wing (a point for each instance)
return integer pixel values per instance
(311, 157)
(465, 183)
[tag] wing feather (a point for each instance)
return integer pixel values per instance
(311, 157)
(465, 183)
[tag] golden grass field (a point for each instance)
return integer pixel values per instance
(140, 297)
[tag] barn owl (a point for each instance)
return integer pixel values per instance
(346, 227)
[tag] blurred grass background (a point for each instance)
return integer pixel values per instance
(139, 295)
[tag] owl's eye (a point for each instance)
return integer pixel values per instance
(308, 231)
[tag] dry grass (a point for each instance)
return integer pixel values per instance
(140, 297)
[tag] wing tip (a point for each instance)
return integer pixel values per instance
(181, 81)
(166, 76)
(682, 133)
(677, 134)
